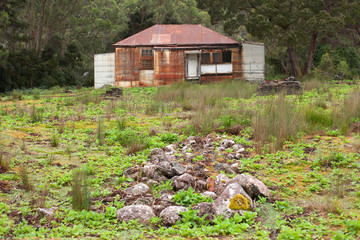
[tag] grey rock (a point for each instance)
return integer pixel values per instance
(220, 183)
(177, 168)
(158, 208)
(142, 212)
(205, 208)
(143, 201)
(166, 198)
(221, 204)
(235, 165)
(220, 149)
(238, 156)
(226, 143)
(209, 194)
(48, 213)
(253, 186)
(170, 215)
(241, 150)
(230, 156)
(149, 169)
(137, 189)
(165, 169)
(170, 148)
(236, 147)
(225, 168)
(201, 185)
(157, 155)
(183, 182)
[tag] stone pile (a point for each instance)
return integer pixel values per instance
(181, 163)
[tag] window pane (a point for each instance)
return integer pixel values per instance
(205, 58)
(147, 64)
(146, 52)
(226, 57)
(216, 58)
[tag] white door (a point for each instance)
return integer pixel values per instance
(192, 66)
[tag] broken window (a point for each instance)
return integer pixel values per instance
(205, 58)
(226, 57)
(147, 59)
(216, 57)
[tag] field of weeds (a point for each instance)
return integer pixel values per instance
(70, 151)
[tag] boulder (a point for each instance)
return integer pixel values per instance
(170, 215)
(232, 200)
(253, 186)
(142, 212)
(137, 189)
(157, 155)
(177, 168)
(209, 194)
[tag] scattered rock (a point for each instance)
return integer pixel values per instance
(226, 143)
(142, 212)
(183, 182)
(48, 213)
(177, 168)
(205, 208)
(220, 183)
(253, 186)
(225, 168)
(137, 189)
(209, 194)
(170, 215)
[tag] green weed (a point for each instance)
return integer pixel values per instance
(80, 193)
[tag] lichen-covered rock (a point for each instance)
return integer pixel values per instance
(137, 189)
(236, 147)
(239, 202)
(148, 200)
(170, 215)
(183, 182)
(253, 186)
(200, 185)
(222, 203)
(142, 212)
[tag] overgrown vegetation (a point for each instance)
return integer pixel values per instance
(304, 147)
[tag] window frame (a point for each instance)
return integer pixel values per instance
(145, 56)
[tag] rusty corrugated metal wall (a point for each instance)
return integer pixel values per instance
(169, 66)
(127, 67)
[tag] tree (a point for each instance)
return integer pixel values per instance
(291, 24)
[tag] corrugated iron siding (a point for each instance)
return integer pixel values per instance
(127, 67)
(169, 66)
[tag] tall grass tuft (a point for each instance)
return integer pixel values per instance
(80, 193)
(100, 133)
(4, 163)
(36, 114)
(279, 121)
(54, 140)
(25, 178)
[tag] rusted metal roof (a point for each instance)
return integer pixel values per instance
(176, 35)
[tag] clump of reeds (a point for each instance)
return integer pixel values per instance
(25, 178)
(80, 191)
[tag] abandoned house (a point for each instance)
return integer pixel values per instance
(164, 54)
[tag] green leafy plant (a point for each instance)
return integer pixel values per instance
(190, 197)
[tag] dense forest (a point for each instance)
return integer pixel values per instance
(45, 43)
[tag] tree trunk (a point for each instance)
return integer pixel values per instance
(293, 61)
(40, 28)
(312, 48)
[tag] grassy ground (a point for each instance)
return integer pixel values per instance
(304, 147)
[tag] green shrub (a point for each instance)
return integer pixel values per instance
(25, 178)
(54, 141)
